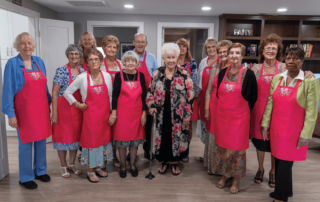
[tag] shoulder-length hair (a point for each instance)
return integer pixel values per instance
(92, 38)
(184, 42)
(271, 38)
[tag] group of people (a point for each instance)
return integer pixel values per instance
(104, 105)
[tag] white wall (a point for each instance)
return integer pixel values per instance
(150, 23)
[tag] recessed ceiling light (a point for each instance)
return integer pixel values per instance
(282, 10)
(206, 8)
(128, 6)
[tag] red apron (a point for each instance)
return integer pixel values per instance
(211, 125)
(32, 108)
(96, 130)
(85, 67)
(205, 80)
(233, 116)
(195, 114)
(142, 67)
(286, 124)
(68, 128)
(112, 73)
(129, 117)
(264, 84)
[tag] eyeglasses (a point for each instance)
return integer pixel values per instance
(93, 60)
(223, 52)
(140, 42)
(271, 49)
(294, 59)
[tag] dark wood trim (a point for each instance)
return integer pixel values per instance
(243, 37)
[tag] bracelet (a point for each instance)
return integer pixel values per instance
(113, 116)
(77, 104)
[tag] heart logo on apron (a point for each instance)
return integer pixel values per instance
(208, 71)
(97, 90)
(285, 91)
(267, 79)
(35, 75)
(229, 87)
(131, 85)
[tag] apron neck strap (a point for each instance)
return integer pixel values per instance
(262, 66)
(240, 74)
(106, 65)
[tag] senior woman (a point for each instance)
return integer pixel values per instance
(185, 60)
(270, 57)
(96, 95)
(129, 90)
(171, 96)
(26, 101)
(237, 94)
(291, 114)
(211, 101)
(66, 119)
(110, 46)
(86, 42)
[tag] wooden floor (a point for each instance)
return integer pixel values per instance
(193, 184)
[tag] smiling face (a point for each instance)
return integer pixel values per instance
(235, 56)
(223, 53)
(130, 64)
(211, 49)
(183, 49)
(170, 59)
(111, 49)
(270, 51)
(26, 46)
(87, 41)
(94, 62)
(140, 43)
(74, 57)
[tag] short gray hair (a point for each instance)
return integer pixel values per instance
(211, 39)
(170, 48)
(130, 55)
(18, 38)
(137, 34)
(74, 47)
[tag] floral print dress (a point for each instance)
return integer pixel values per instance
(181, 100)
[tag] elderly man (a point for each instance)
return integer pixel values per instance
(148, 64)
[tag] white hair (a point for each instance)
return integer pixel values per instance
(170, 48)
(137, 34)
(130, 55)
(20, 36)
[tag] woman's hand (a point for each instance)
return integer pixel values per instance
(82, 106)
(186, 121)
(112, 120)
(302, 142)
(152, 110)
(265, 132)
(13, 122)
(207, 114)
(308, 74)
(54, 118)
(144, 118)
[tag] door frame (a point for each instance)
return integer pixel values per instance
(163, 25)
(92, 24)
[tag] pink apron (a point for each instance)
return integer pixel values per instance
(211, 125)
(205, 80)
(195, 113)
(85, 67)
(286, 124)
(142, 67)
(32, 108)
(264, 84)
(233, 116)
(68, 128)
(96, 130)
(112, 73)
(128, 125)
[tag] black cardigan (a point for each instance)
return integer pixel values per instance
(249, 89)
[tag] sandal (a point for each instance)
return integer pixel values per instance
(96, 170)
(65, 174)
(235, 185)
(164, 164)
(224, 179)
(185, 160)
(272, 180)
(259, 177)
(94, 174)
(175, 168)
(77, 172)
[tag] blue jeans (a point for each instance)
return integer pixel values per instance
(26, 172)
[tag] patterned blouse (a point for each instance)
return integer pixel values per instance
(194, 74)
(62, 78)
(182, 97)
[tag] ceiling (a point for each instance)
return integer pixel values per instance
(191, 7)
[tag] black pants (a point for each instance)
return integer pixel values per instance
(148, 128)
(283, 179)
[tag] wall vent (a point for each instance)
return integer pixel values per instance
(89, 3)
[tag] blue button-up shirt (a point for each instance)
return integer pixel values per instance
(14, 81)
(150, 61)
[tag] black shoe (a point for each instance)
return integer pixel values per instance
(273, 194)
(134, 172)
(147, 155)
(43, 178)
(123, 173)
(128, 157)
(29, 185)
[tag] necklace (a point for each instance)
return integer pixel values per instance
(134, 78)
(271, 65)
(96, 79)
